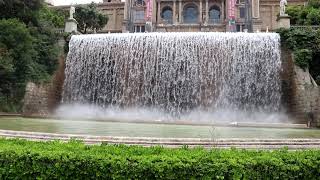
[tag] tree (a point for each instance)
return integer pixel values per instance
(17, 60)
(28, 47)
(55, 17)
(313, 17)
(24, 10)
(305, 15)
(89, 18)
(17, 42)
(30, 12)
(6, 69)
(294, 12)
(314, 3)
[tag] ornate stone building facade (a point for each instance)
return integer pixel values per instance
(115, 11)
(202, 15)
(190, 15)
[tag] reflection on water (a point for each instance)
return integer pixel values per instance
(149, 130)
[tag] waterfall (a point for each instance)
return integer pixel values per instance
(175, 72)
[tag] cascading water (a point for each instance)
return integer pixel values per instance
(175, 72)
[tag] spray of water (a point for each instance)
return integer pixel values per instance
(219, 116)
(175, 75)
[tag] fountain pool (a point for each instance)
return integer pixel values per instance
(125, 129)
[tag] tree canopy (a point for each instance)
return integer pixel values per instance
(16, 58)
(314, 3)
(24, 10)
(54, 16)
(90, 18)
(305, 15)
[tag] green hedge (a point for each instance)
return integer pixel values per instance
(21, 159)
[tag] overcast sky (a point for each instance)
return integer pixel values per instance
(67, 2)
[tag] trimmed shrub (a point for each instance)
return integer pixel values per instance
(20, 159)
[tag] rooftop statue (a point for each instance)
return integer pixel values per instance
(72, 11)
(283, 4)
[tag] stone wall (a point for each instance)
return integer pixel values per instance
(301, 95)
(36, 101)
(306, 97)
(40, 100)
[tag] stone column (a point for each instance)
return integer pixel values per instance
(272, 19)
(125, 13)
(174, 18)
(154, 12)
(125, 18)
(207, 12)
(180, 12)
(200, 12)
(159, 12)
(222, 12)
(114, 19)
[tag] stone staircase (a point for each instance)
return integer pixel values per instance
(292, 144)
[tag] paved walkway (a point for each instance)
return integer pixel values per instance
(170, 142)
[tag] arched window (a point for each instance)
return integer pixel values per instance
(214, 15)
(190, 14)
(139, 3)
(167, 15)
